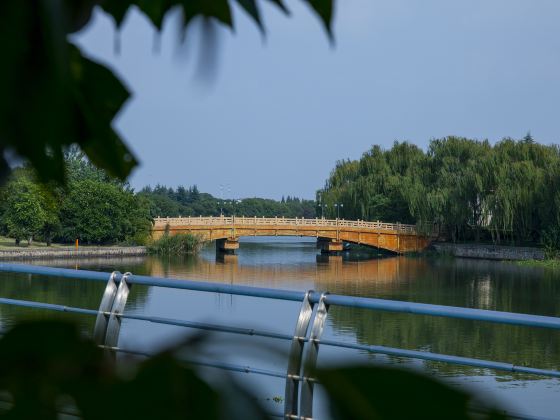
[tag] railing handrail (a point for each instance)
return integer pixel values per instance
(161, 222)
(386, 305)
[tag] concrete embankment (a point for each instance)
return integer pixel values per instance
(489, 252)
(70, 252)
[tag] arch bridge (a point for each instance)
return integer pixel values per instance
(330, 233)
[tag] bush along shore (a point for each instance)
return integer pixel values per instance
(553, 264)
(489, 252)
(180, 244)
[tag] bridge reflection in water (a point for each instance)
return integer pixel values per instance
(330, 272)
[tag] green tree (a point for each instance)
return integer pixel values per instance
(50, 197)
(468, 188)
(100, 213)
(24, 214)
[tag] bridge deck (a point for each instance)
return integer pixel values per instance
(394, 237)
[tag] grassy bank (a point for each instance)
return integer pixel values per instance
(8, 244)
(179, 244)
(553, 264)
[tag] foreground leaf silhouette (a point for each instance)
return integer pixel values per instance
(53, 96)
(48, 367)
(378, 392)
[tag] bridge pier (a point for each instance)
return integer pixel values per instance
(228, 245)
(329, 246)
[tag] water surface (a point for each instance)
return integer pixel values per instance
(293, 263)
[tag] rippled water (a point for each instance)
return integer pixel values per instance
(294, 264)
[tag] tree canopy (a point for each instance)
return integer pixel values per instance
(181, 201)
(92, 207)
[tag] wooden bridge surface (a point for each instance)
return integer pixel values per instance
(393, 237)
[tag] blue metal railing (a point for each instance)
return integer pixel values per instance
(296, 296)
(293, 409)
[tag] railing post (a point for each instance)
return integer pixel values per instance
(293, 374)
(108, 322)
(114, 324)
(100, 329)
(310, 362)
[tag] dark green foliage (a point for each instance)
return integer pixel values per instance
(45, 365)
(26, 214)
(53, 97)
(48, 367)
(98, 213)
(389, 393)
(180, 244)
(93, 208)
(169, 202)
(551, 242)
(467, 189)
(99, 209)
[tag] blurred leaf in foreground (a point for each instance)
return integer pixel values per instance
(53, 97)
(369, 392)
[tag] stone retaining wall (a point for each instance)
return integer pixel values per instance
(70, 252)
(490, 252)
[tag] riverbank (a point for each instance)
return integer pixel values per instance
(490, 252)
(71, 252)
(550, 264)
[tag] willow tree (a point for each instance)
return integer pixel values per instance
(467, 188)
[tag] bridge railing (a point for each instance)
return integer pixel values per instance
(161, 222)
(305, 342)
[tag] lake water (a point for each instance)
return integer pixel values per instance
(293, 263)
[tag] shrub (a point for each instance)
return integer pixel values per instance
(551, 242)
(179, 244)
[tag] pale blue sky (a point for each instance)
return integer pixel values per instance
(280, 111)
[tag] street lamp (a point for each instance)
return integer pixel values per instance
(322, 206)
(338, 207)
(221, 199)
(235, 201)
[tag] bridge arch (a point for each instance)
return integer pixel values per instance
(395, 237)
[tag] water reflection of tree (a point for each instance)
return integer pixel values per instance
(477, 284)
(517, 345)
(56, 290)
